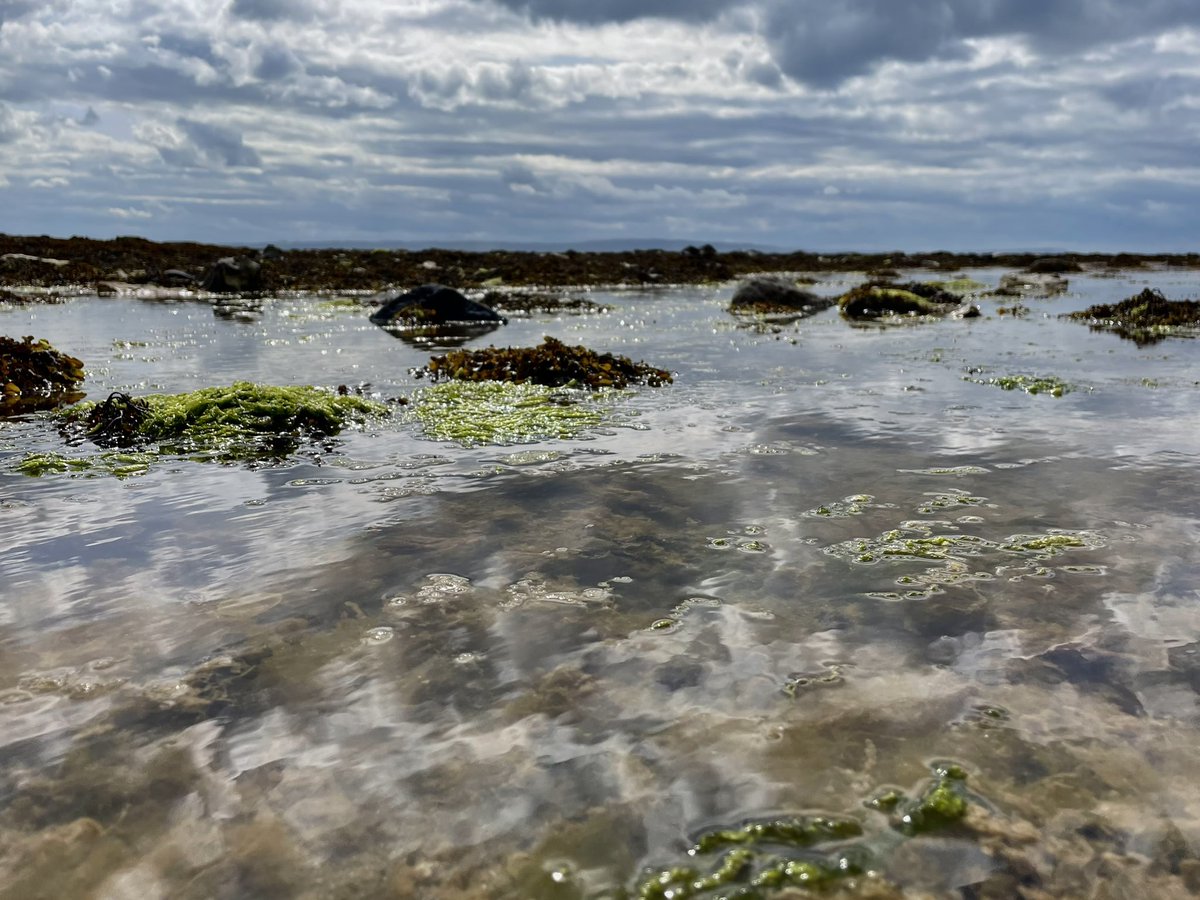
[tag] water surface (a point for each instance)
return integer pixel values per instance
(824, 561)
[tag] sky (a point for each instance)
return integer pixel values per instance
(792, 124)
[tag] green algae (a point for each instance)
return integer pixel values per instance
(799, 831)
(120, 465)
(1030, 384)
(854, 505)
(475, 413)
(240, 422)
(959, 285)
(765, 857)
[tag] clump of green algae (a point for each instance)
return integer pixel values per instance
(495, 412)
(242, 422)
(1030, 384)
(774, 854)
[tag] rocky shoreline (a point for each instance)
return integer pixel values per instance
(74, 263)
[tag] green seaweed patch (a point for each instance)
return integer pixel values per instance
(762, 857)
(120, 465)
(853, 505)
(34, 375)
(952, 499)
(244, 421)
(942, 804)
(959, 285)
(1030, 384)
(552, 363)
(1146, 318)
(496, 412)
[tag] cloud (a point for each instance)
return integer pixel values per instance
(271, 10)
(9, 129)
(618, 10)
(193, 144)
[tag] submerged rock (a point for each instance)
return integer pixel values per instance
(33, 375)
(1146, 318)
(876, 300)
(233, 274)
(776, 296)
(432, 304)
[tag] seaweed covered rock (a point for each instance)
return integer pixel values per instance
(551, 363)
(877, 299)
(773, 296)
(1031, 284)
(1146, 318)
(243, 421)
(33, 375)
(432, 304)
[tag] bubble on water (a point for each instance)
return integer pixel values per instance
(466, 659)
(381, 634)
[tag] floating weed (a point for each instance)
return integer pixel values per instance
(496, 412)
(956, 554)
(948, 470)
(952, 499)
(762, 857)
(854, 505)
(120, 465)
(1030, 384)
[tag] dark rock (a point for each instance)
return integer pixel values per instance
(1145, 318)
(271, 253)
(232, 275)
(432, 304)
(34, 375)
(775, 295)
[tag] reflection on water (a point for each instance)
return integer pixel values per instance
(808, 580)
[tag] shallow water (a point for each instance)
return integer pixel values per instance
(824, 560)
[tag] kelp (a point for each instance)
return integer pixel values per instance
(242, 421)
(1146, 318)
(552, 363)
(33, 375)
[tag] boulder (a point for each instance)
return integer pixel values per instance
(775, 295)
(432, 304)
(233, 275)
